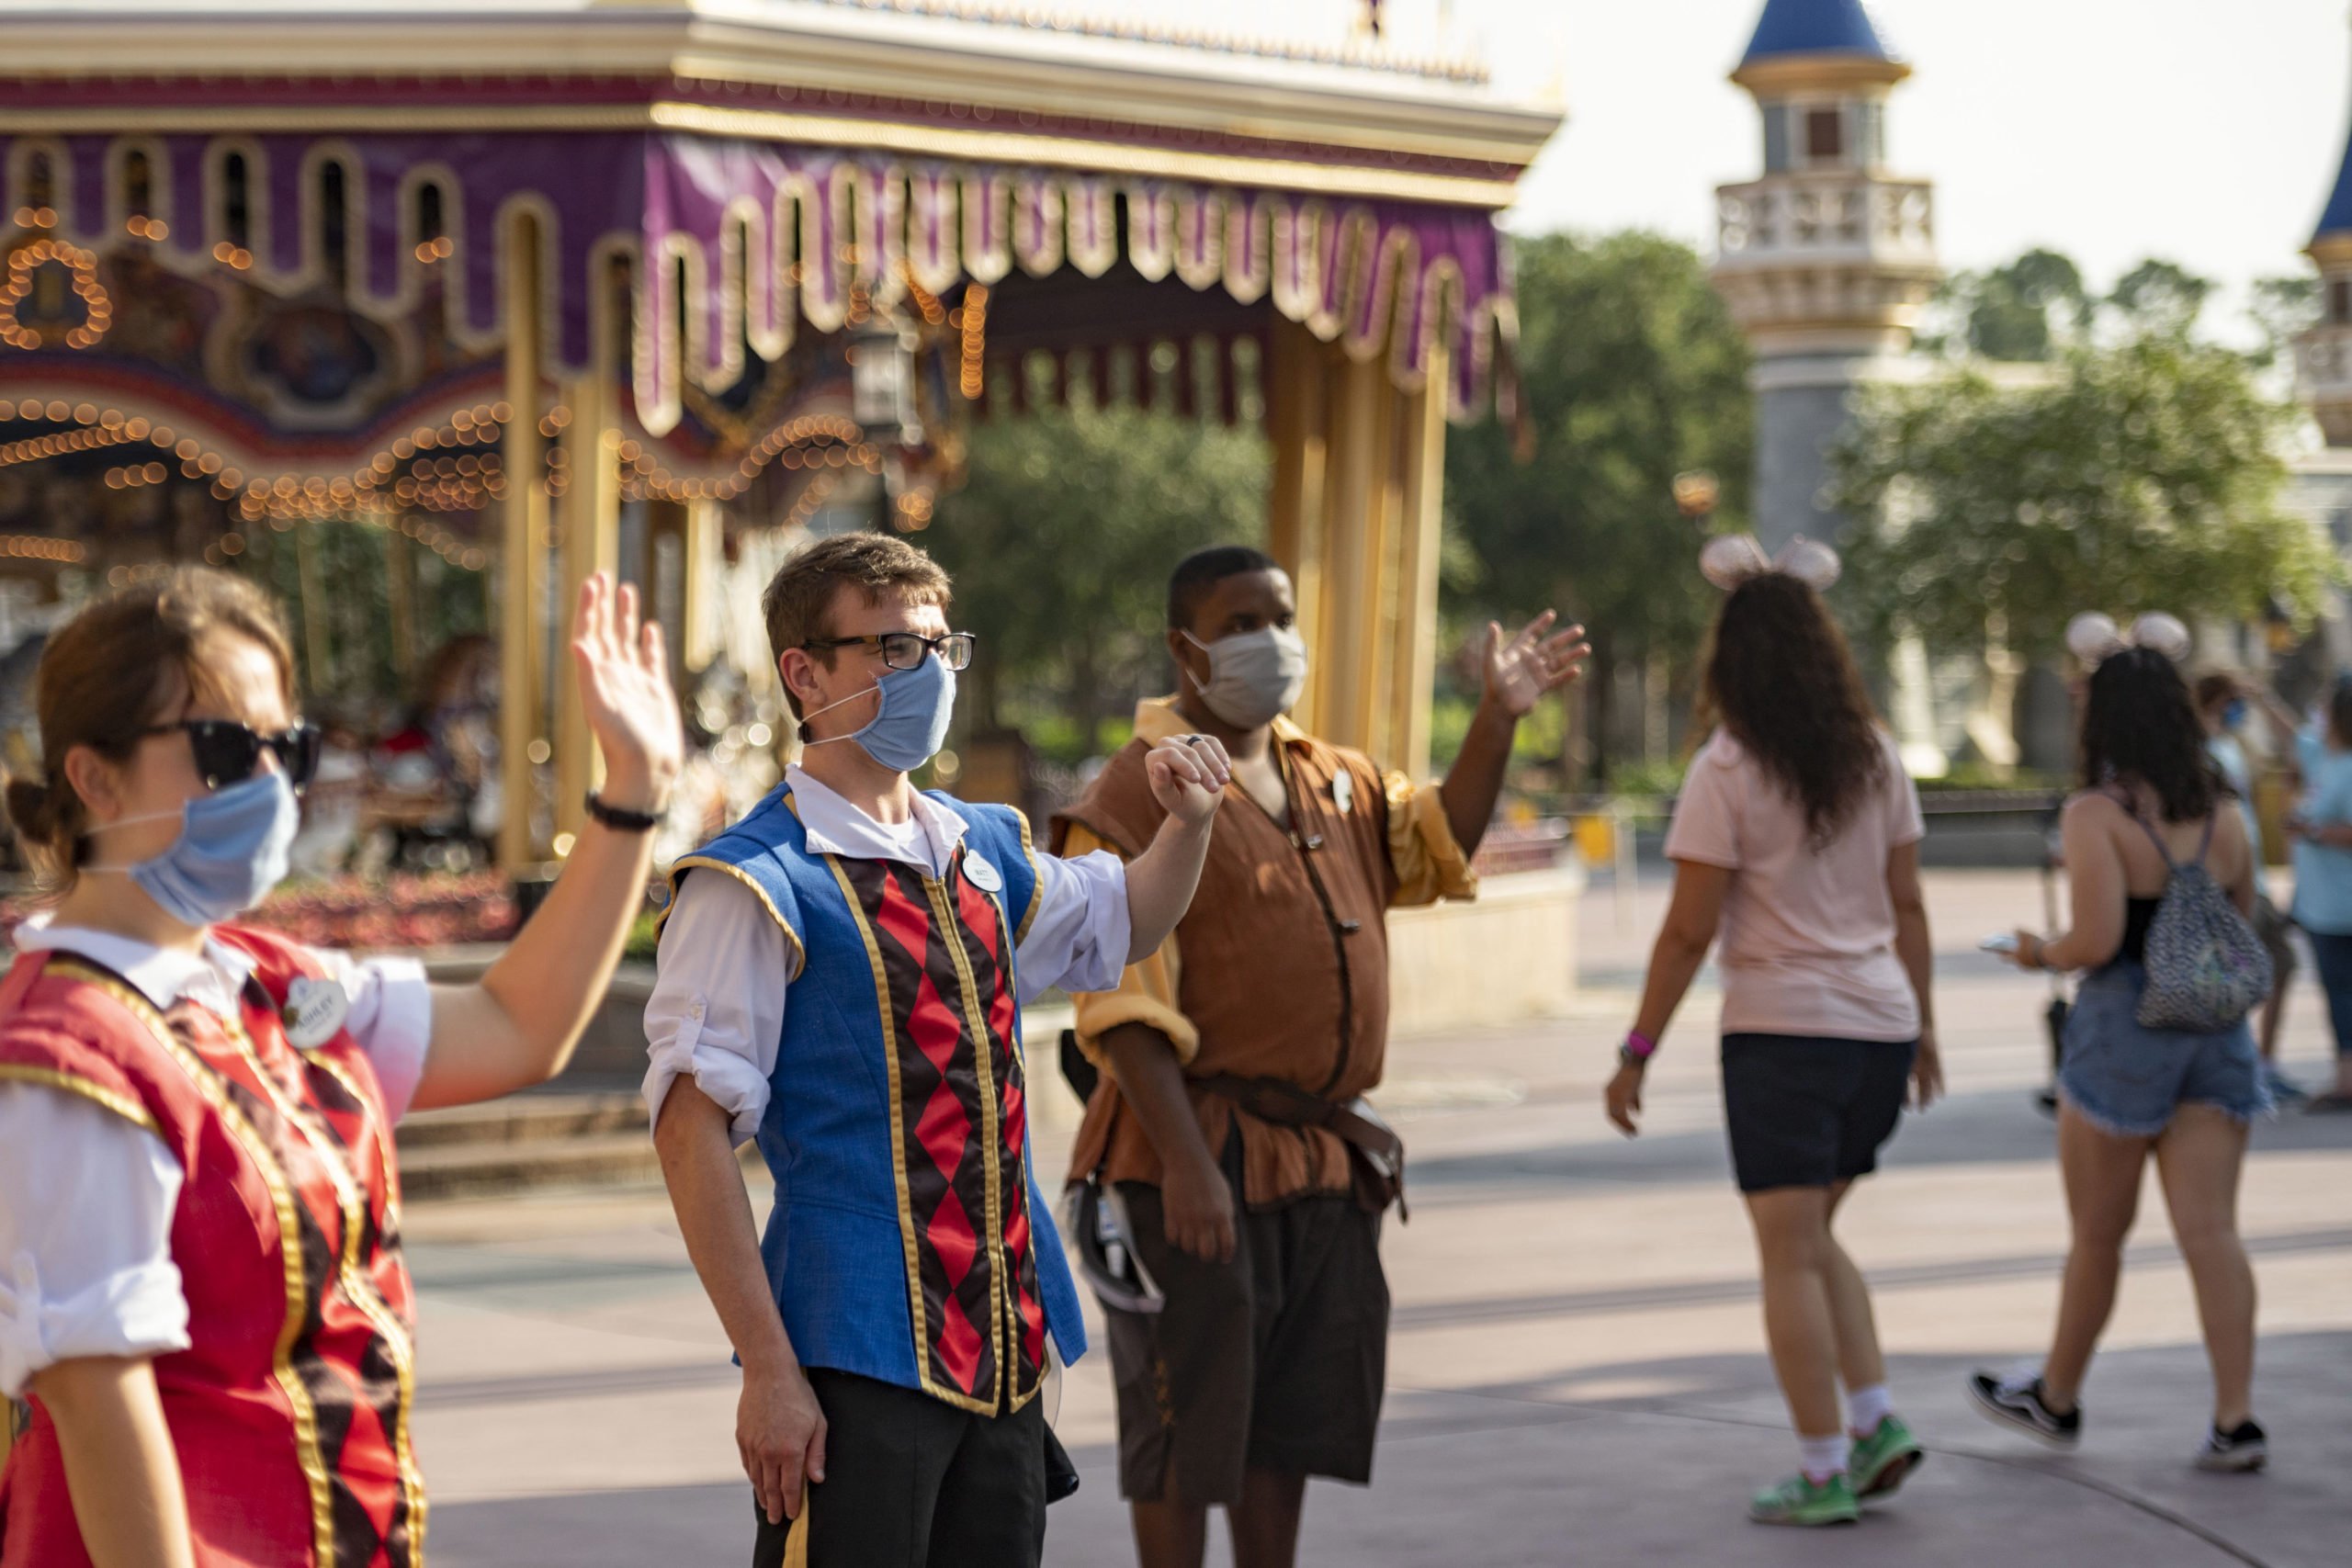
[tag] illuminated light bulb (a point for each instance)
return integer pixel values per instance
(85, 413)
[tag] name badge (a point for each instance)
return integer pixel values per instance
(981, 874)
(315, 1012)
(1343, 791)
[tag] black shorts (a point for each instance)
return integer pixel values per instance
(1805, 1111)
(1275, 1361)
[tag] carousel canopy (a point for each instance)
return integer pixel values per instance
(752, 165)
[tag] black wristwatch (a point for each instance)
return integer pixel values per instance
(620, 819)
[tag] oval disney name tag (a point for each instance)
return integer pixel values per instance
(1343, 791)
(315, 1012)
(981, 872)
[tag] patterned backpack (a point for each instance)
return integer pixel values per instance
(2206, 967)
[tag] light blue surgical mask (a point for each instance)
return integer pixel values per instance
(912, 724)
(233, 849)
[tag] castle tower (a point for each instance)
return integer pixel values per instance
(2324, 362)
(1824, 260)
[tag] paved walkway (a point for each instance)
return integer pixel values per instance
(1576, 1367)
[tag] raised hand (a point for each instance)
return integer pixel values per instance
(624, 673)
(1519, 672)
(1187, 774)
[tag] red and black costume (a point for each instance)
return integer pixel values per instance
(289, 1409)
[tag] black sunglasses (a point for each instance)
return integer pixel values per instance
(228, 752)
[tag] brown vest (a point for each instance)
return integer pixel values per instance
(1282, 960)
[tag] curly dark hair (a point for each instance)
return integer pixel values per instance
(2140, 725)
(1783, 683)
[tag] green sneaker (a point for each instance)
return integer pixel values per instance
(1800, 1501)
(1884, 1461)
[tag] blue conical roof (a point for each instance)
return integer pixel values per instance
(1816, 27)
(2337, 218)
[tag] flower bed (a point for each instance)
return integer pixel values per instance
(349, 912)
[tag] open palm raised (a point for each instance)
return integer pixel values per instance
(623, 671)
(1521, 671)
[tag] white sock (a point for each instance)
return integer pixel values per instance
(1866, 1407)
(1822, 1458)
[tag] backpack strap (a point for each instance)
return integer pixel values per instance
(2204, 843)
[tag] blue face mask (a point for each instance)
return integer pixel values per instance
(911, 725)
(233, 849)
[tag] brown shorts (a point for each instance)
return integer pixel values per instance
(1275, 1361)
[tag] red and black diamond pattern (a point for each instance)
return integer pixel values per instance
(962, 1121)
(347, 1365)
(984, 941)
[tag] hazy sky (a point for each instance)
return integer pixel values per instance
(2208, 131)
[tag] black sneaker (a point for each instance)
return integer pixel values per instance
(2234, 1452)
(2017, 1402)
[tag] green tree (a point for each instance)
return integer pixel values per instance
(1060, 543)
(2161, 297)
(2144, 475)
(2282, 308)
(2025, 311)
(1631, 372)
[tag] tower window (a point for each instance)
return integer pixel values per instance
(1776, 138)
(1825, 135)
(2339, 301)
(1869, 120)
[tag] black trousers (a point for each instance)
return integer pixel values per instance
(911, 1482)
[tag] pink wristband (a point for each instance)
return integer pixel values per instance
(1640, 1044)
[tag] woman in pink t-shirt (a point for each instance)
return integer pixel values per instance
(1796, 842)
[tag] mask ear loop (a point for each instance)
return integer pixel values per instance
(180, 816)
(875, 689)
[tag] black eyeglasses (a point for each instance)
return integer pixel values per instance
(905, 650)
(228, 752)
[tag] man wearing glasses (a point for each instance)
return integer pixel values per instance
(1228, 1129)
(841, 978)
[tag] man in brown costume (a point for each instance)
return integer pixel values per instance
(1226, 1131)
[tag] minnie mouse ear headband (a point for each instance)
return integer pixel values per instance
(2092, 637)
(1730, 561)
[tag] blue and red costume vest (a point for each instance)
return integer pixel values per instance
(908, 1242)
(289, 1408)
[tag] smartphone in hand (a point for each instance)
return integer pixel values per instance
(2002, 943)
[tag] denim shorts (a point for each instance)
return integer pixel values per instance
(2129, 1079)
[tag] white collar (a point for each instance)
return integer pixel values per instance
(160, 975)
(837, 828)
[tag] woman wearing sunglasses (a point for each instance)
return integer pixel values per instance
(202, 1296)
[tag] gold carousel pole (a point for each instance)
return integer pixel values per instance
(592, 523)
(1423, 542)
(1356, 578)
(521, 535)
(1298, 419)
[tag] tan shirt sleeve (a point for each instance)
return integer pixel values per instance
(1147, 993)
(1428, 862)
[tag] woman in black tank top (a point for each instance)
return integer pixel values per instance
(2130, 1092)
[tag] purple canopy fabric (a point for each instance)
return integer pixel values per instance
(736, 241)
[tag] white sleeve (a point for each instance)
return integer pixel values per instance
(86, 1199)
(390, 1017)
(1079, 939)
(716, 1011)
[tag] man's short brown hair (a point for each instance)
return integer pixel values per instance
(799, 599)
